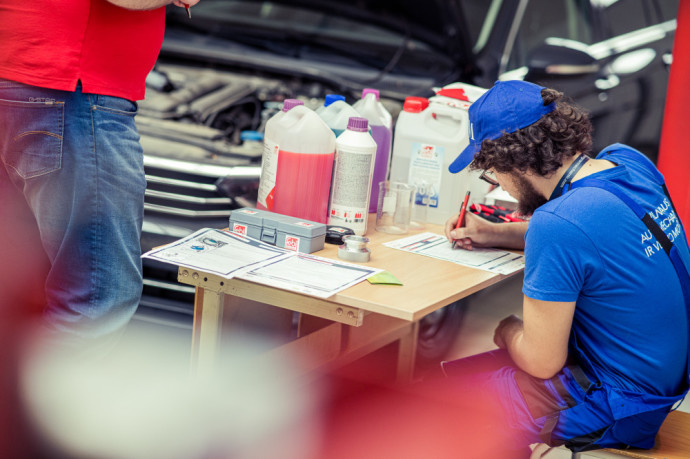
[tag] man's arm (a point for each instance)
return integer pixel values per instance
(150, 4)
(539, 343)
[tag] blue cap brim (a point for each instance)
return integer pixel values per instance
(464, 158)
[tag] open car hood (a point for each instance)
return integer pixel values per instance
(407, 37)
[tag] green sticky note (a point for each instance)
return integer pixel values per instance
(384, 278)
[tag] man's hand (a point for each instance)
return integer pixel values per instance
(507, 330)
(479, 232)
(185, 4)
(476, 231)
(150, 4)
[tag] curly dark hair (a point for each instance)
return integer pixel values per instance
(542, 146)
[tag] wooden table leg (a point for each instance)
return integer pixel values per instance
(208, 315)
(407, 353)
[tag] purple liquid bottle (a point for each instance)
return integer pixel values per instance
(380, 122)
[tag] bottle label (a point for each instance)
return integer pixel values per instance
(269, 171)
(351, 189)
(426, 167)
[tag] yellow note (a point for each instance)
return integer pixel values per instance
(384, 278)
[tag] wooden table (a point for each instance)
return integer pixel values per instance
(359, 320)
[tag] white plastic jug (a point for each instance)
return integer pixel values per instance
(337, 114)
(380, 122)
(328, 100)
(425, 144)
(353, 169)
(304, 147)
(305, 166)
(269, 157)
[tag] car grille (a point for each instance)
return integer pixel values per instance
(181, 197)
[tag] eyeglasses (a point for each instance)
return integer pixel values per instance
(489, 178)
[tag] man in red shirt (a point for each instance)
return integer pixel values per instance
(71, 166)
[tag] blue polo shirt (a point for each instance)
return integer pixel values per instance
(588, 246)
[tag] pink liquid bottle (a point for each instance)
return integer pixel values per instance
(269, 158)
(306, 149)
(380, 122)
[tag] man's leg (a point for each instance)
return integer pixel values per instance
(77, 159)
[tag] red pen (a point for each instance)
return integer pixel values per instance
(461, 218)
(189, 12)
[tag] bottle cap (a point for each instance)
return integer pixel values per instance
(291, 103)
(334, 234)
(358, 124)
(423, 100)
(366, 91)
(412, 105)
(330, 98)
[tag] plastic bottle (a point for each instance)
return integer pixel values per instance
(426, 142)
(328, 100)
(380, 121)
(269, 157)
(337, 114)
(353, 170)
(306, 148)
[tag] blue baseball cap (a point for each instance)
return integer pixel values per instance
(505, 108)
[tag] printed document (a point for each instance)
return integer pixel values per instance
(229, 255)
(437, 246)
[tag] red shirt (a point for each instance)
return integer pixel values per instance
(55, 44)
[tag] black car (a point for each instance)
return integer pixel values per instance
(223, 73)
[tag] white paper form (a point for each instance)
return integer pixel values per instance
(437, 246)
(217, 252)
(309, 274)
(231, 255)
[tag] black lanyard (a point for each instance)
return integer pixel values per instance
(568, 176)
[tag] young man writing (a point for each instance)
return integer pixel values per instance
(600, 355)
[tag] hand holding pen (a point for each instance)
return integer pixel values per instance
(461, 217)
(187, 4)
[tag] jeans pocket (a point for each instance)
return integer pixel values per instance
(31, 136)
(116, 105)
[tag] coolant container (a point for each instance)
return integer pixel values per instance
(328, 100)
(305, 148)
(380, 122)
(355, 150)
(269, 157)
(426, 142)
(337, 114)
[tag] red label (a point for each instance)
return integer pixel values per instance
(239, 229)
(292, 243)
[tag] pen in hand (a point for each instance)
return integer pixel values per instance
(461, 217)
(189, 11)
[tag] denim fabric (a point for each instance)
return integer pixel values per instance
(77, 160)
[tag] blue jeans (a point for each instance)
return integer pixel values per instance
(77, 161)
